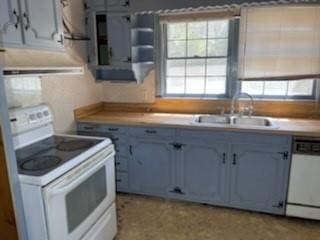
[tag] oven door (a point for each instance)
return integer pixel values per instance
(75, 201)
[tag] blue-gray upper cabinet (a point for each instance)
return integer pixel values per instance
(96, 4)
(118, 5)
(10, 23)
(42, 23)
(259, 176)
(150, 166)
(201, 172)
(119, 40)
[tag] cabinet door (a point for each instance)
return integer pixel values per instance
(259, 176)
(118, 5)
(150, 167)
(42, 23)
(10, 23)
(203, 171)
(97, 4)
(119, 40)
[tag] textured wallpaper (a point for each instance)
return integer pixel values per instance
(23, 92)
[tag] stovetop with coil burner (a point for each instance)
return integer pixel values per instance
(42, 157)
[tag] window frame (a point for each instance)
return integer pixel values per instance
(163, 59)
(232, 83)
(288, 97)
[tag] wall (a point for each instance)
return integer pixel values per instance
(130, 92)
(65, 93)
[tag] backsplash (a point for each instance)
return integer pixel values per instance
(23, 91)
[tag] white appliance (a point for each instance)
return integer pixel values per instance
(67, 182)
(304, 185)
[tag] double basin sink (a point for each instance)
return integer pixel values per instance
(221, 120)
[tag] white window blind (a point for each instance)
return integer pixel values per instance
(279, 43)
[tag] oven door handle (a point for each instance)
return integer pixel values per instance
(81, 175)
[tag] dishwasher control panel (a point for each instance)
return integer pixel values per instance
(308, 146)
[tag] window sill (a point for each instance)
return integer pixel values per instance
(189, 98)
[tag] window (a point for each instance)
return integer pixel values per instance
(200, 59)
(196, 58)
(280, 89)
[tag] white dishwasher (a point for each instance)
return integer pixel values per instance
(304, 185)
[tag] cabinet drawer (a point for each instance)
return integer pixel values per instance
(121, 163)
(88, 127)
(113, 129)
(122, 181)
(152, 132)
(206, 136)
(100, 128)
(260, 139)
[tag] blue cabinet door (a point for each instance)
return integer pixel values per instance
(42, 23)
(118, 5)
(97, 4)
(259, 176)
(119, 40)
(150, 167)
(202, 172)
(10, 23)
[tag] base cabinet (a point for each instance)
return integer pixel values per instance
(150, 167)
(201, 172)
(257, 176)
(246, 171)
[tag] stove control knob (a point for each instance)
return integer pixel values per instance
(46, 113)
(39, 115)
(32, 117)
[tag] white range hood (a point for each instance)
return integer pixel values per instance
(34, 62)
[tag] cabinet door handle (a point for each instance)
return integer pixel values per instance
(224, 158)
(151, 131)
(113, 129)
(234, 159)
(177, 190)
(27, 21)
(130, 149)
(127, 18)
(279, 205)
(129, 60)
(285, 155)
(110, 52)
(16, 24)
(61, 39)
(126, 4)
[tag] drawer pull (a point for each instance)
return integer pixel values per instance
(117, 163)
(16, 24)
(177, 190)
(113, 129)
(89, 128)
(234, 161)
(224, 158)
(151, 131)
(118, 180)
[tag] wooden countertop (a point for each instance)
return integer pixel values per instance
(283, 126)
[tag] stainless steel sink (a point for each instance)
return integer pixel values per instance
(252, 121)
(245, 121)
(213, 119)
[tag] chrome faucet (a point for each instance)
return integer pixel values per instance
(236, 98)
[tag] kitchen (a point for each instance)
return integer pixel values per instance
(154, 118)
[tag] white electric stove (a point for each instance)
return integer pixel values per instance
(67, 181)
